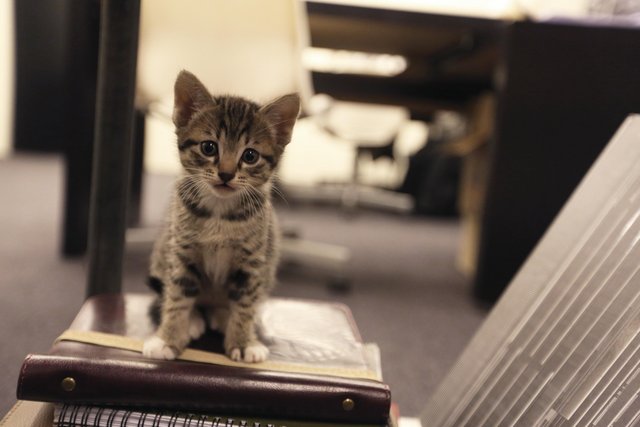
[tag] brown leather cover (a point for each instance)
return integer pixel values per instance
(118, 377)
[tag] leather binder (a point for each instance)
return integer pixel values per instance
(336, 387)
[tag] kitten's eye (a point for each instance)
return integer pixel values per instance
(250, 156)
(209, 148)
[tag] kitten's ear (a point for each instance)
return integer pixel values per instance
(190, 95)
(282, 114)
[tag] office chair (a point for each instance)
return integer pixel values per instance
(366, 131)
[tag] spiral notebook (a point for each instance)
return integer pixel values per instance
(97, 416)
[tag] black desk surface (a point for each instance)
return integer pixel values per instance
(450, 58)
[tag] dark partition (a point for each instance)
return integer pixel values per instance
(567, 88)
(40, 28)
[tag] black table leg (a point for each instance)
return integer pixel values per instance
(113, 143)
(81, 57)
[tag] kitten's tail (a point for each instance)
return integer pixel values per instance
(155, 284)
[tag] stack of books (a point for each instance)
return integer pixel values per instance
(319, 372)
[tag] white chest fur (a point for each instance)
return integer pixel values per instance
(217, 263)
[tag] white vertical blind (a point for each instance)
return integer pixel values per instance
(6, 76)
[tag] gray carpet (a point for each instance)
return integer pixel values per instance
(406, 294)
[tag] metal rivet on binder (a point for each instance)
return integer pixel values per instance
(348, 404)
(68, 384)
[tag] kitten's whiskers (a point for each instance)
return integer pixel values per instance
(252, 199)
(277, 190)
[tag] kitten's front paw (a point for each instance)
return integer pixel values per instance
(255, 352)
(156, 348)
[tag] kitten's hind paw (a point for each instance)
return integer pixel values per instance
(156, 348)
(255, 352)
(196, 325)
(217, 319)
(236, 354)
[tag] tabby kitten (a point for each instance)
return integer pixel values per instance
(219, 248)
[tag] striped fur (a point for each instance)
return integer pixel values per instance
(219, 248)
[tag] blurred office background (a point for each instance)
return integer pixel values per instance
(436, 144)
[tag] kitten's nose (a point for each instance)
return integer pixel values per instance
(226, 176)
